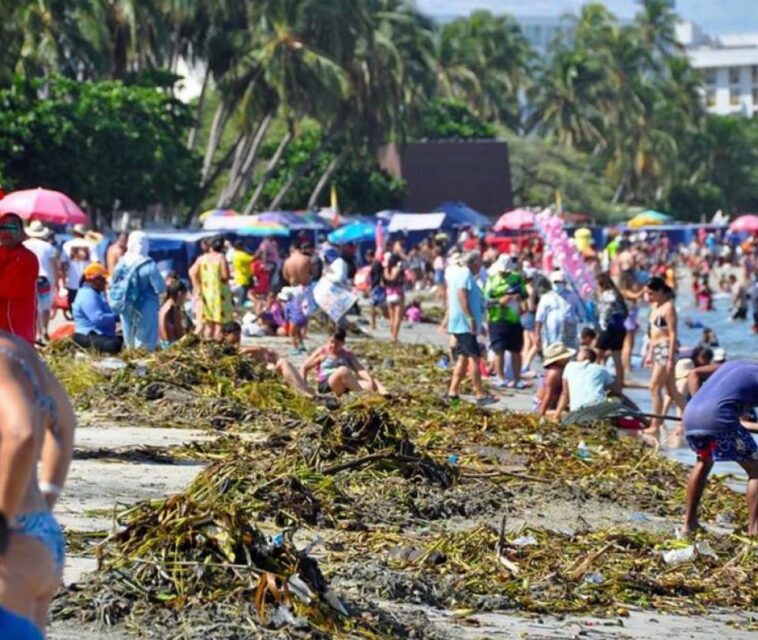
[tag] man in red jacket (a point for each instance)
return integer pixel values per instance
(18, 280)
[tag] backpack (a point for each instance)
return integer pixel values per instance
(124, 293)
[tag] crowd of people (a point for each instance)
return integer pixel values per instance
(513, 321)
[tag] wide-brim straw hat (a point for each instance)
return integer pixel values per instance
(38, 230)
(555, 352)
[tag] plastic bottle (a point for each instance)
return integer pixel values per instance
(582, 451)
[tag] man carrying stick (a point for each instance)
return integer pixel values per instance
(716, 432)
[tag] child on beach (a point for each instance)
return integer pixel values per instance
(171, 317)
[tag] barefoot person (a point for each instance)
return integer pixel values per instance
(662, 348)
(339, 370)
(715, 431)
(231, 334)
(36, 426)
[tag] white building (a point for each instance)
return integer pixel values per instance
(730, 67)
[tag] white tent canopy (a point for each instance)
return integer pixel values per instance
(416, 222)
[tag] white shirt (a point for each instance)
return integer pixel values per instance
(337, 272)
(46, 255)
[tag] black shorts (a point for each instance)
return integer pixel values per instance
(466, 345)
(505, 336)
(611, 339)
(323, 386)
(739, 314)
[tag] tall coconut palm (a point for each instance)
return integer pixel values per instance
(484, 60)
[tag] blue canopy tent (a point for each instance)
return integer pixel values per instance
(176, 250)
(459, 214)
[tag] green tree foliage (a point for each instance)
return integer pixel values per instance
(361, 185)
(103, 143)
(540, 170)
(447, 118)
(619, 103)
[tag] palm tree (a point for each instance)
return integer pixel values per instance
(484, 60)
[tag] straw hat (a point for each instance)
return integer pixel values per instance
(38, 230)
(79, 229)
(683, 368)
(719, 355)
(555, 352)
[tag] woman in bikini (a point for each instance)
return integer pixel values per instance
(339, 371)
(36, 426)
(662, 349)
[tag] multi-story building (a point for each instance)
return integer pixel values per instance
(730, 68)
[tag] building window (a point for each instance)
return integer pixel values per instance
(755, 75)
(734, 75)
(710, 97)
(734, 97)
(711, 76)
(755, 97)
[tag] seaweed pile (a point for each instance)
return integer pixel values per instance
(301, 533)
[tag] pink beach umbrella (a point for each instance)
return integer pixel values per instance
(515, 220)
(44, 205)
(748, 223)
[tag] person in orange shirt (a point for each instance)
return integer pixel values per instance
(19, 269)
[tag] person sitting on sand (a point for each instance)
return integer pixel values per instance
(339, 370)
(171, 316)
(94, 320)
(231, 334)
(585, 383)
(555, 357)
(716, 432)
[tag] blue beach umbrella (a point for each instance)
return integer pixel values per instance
(357, 231)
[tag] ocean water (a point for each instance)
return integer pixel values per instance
(735, 337)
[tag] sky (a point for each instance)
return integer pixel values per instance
(714, 16)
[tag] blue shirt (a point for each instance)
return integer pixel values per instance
(587, 382)
(722, 400)
(457, 322)
(92, 313)
(17, 628)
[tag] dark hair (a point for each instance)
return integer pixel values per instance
(231, 327)
(340, 334)
(589, 332)
(706, 355)
(658, 284)
(175, 288)
(590, 353)
(217, 244)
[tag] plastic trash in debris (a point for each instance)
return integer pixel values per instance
(637, 516)
(727, 517)
(679, 556)
(443, 362)
(452, 459)
(582, 451)
(594, 578)
(525, 541)
(277, 540)
(109, 365)
(704, 548)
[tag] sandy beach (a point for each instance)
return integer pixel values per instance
(117, 465)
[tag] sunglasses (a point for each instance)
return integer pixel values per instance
(9, 227)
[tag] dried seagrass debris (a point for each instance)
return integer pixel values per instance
(545, 571)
